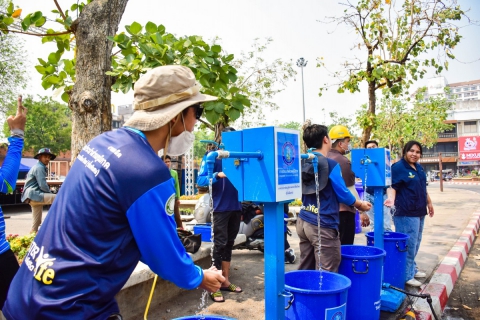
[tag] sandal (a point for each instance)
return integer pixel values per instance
(217, 295)
(231, 288)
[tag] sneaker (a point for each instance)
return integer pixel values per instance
(420, 274)
(290, 256)
(414, 283)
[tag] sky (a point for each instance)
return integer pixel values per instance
(296, 32)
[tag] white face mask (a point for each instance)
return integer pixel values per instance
(349, 148)
(180, 144)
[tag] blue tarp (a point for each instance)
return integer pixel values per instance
(23, 168)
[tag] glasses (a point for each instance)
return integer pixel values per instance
(198, 111)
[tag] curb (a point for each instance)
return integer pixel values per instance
(443, 280)
(465, 183)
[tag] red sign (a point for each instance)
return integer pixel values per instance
(469, 148)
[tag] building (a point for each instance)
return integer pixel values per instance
(459, 147)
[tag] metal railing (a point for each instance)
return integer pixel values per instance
(447, 135)
(436, 154)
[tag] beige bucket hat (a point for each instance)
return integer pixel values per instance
(161, 94)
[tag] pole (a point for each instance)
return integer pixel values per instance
(440, 169)
(303, 96)
(274, 261)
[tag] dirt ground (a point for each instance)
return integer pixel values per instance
(247, 272)
(464, 301)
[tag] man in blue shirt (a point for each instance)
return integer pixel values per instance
(8, 178)
(226, 219)
(115, 208)
(36, 192)
(330, 194)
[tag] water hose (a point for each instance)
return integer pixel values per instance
(426, 296)
(150, 298)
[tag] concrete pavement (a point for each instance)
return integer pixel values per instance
(454, 211)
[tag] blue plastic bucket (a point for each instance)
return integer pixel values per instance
(363, 266)
(395, 245)
(205, 317)
(308, 301)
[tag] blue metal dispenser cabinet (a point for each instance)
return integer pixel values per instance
(374, 167)
(264, 165)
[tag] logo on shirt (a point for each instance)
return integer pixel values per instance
(40, 264)
(411, 175)
(170, 207)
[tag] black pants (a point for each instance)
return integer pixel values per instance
(347, 227)
(8, 269)
(225, 230)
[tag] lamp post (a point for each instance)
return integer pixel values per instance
(301, 62)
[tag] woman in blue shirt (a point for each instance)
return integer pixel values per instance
(411, 201)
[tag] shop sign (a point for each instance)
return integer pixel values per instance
(469, 148)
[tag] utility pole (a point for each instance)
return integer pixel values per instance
(301, 62)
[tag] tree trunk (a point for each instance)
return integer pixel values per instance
(371, 111)
(90, 97)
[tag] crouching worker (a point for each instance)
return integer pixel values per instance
(115, 208)
(331, 187)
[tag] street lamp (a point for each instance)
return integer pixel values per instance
(302, 63)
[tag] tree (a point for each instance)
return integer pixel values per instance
(12, 66)
(260, 80)
(83, 78)
(397, 123)
(395, 39)
(151, 46)
(48, 124)
(199, 148)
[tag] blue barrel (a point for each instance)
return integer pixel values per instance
(364, 267)
(395, 245)
(307, 300)
(204, 317)
(358, 224)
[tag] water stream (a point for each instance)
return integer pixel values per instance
(202, 308)
(319, 230)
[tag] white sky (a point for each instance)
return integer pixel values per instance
(295, 30)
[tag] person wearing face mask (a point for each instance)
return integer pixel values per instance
(226, 218)
(116, 207)
(340, 147)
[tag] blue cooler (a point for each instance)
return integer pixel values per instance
(205, 230)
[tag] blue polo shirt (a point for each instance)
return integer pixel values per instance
(411, 188)
(224, 193)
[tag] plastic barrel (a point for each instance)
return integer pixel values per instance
(306, 300)
(363, 266)
(358, 224)
(204, 317)
(395, 245)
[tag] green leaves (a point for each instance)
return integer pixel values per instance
(150, 47)
(397, 44)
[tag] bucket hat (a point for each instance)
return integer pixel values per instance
(161, 94)
(45, 151)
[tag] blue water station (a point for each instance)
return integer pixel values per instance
(373, 166)
(264, 166)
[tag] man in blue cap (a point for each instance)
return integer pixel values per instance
(36, 192)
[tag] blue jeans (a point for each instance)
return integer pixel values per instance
(387, 217)
(413, 226)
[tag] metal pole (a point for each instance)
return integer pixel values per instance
(440, 169)
(303, 96)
